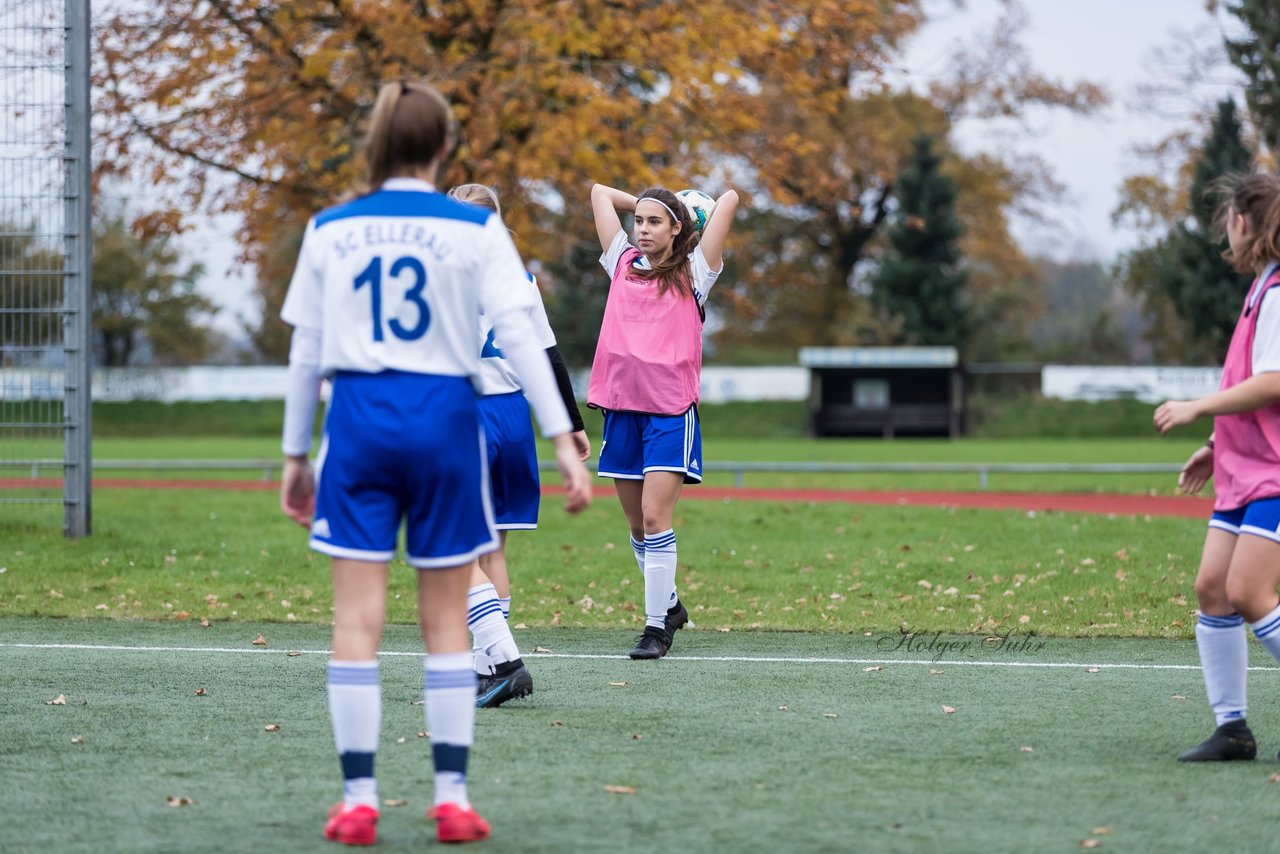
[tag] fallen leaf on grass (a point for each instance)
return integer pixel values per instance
(869, 669)
(176, 801)
(260, 640)
(292, 654)
(77, 739)
(948, 710)
(1091, 669)
(1090, 843)
(400, 740)
(1179, 696)
(933, 672)
(200, 692)
(272, 727)
(99, 607)
(416, 702)
(782, 708)
(617, 684)
(540, 649)
(1026, 749)
(830, 715)
(424, 735)
(520, 626)
(724, 630)
(394, 802)
(1101, 831)
(557, 723)
(204, 622)
(60, 700)
(635, 736)
(620, 790)
(1275, 778)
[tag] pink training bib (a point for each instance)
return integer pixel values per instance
(649, 356)
(1246, 453)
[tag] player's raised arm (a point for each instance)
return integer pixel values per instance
(717, 229)
(605, 204)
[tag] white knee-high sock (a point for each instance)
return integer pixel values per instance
(506, 607)
(450, 707)
(355, 708)
(1267, 630)
(1224, 657)
(491, 638)
(638, 549)
(659, 576)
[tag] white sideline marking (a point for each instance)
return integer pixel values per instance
(746, 659)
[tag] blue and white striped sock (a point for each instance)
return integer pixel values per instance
(450, 706)
(355, 708)
(491, 638)
(1224, 659)
(659, 576)
(1267, 630)
(506, 607)
(637, 548)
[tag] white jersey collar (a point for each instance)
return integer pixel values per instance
(408, 184)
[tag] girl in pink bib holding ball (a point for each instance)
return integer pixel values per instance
(646, 375)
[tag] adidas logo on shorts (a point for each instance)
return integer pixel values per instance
(693, 464)
(320, 528)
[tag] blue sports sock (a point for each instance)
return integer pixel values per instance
(450, 707)
(1224, 658)
(355, 708)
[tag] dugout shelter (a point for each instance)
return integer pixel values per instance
(885, 391)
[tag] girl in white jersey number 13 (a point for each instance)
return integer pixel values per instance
(646, 374)
(384, 301)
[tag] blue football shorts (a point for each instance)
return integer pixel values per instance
(1261, 517)
(403, 447)
(635, 443)
(513, 460)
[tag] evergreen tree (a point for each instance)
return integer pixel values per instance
(921, 280)
(1187, 263)
(1258, 56)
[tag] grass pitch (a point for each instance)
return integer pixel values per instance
(736, 742)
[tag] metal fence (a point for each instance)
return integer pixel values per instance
(45, 313)
(270, 468)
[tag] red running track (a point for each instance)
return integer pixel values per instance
(1119, 505)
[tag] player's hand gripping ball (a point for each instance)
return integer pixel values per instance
(700, 206)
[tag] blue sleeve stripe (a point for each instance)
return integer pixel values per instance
(404, 203)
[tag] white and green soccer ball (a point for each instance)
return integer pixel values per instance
(700, 206)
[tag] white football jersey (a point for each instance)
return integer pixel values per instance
(496, 376)
(395, 280)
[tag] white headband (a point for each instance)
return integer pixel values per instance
(660, 202)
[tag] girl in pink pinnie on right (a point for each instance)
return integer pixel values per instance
(1240, 566)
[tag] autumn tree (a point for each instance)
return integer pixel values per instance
(143, 299)
(921, 278)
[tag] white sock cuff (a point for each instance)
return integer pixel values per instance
(1268, 625)
(443, 662)
(664, 541)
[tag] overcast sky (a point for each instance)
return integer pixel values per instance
(1109, 42)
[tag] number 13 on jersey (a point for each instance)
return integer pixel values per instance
(409, 273)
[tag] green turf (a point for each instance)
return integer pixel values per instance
(188, 555)
(859, 759)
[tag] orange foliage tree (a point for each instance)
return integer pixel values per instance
(256, 107)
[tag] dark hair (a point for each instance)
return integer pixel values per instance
(477, 194)
(1255, 196)
(411, 125)
(674, 271)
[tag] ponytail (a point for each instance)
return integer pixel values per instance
(410, 127)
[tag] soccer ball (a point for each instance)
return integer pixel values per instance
(700, 206)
